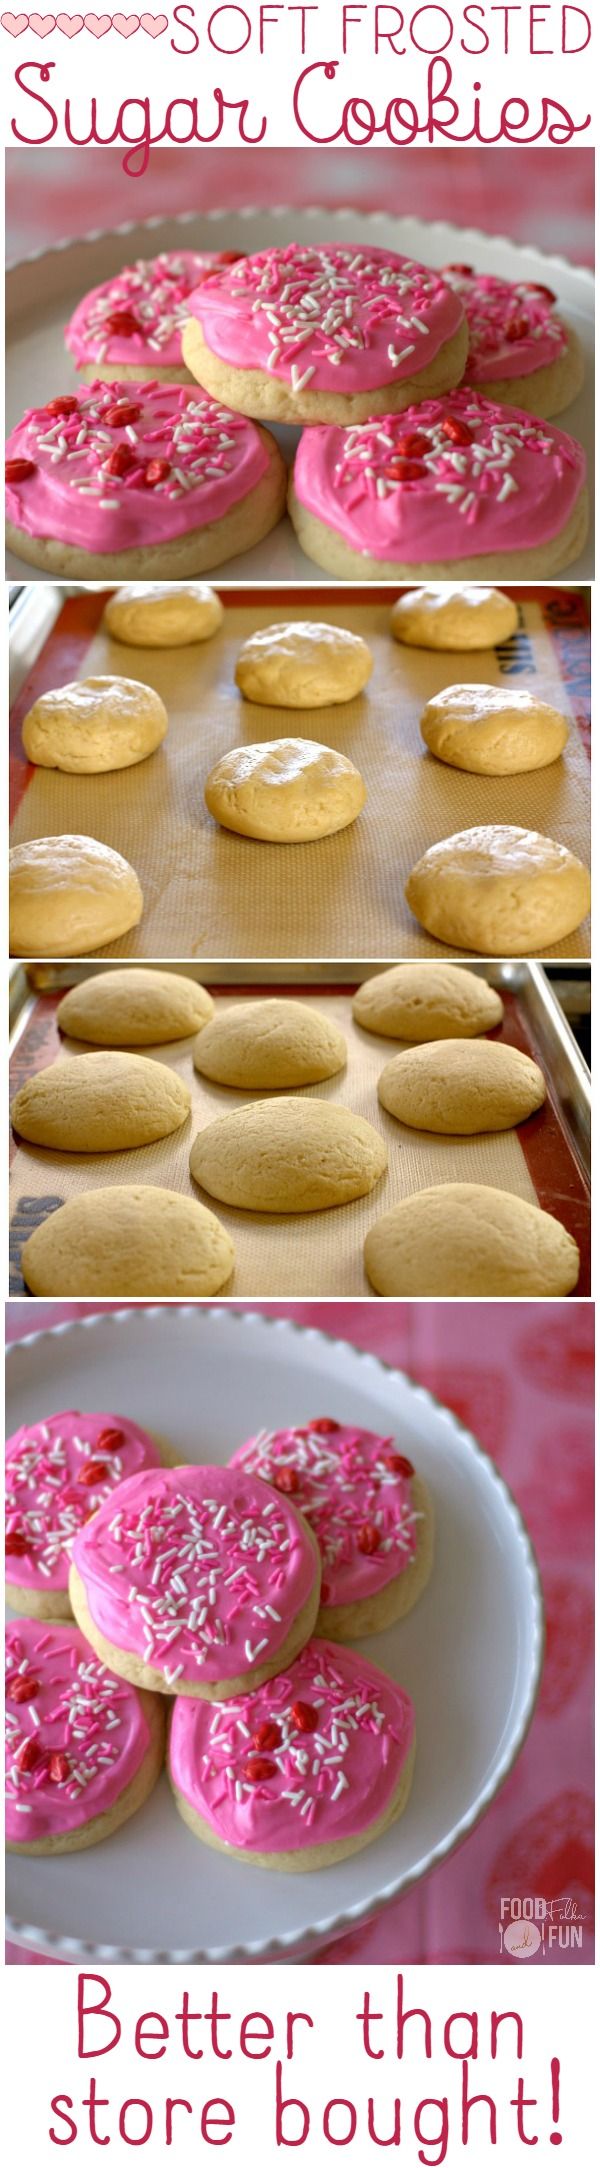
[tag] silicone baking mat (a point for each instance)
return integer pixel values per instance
(210, 893)
(317, 1253)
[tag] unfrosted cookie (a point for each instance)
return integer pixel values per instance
(288, 790)
(101, 1103)
(131, 326)
(325, 333)
(288, 1155)
(370, 1512)
(128, 1240)
(136, 1006)
(303, 665)
(58, 1471)
(153, 615)
(303, 1773)
(519, 349)
(463, 1239)
(502, 891)
(130, 480)
(69, 895)
(454, 619)
(458, 485)
(460, 1086)
(95, 724)
(425, 1001)
(265, 1045)
(83, 1749)
(194, 1581)
(493, 730)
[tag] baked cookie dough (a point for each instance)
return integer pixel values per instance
(519, 350)
(303, 665)
(131, 326)
(95, 724)
(370, 1512)
(58, 1471)
(124, 480)
(501, 891)
(463, 1239)
(288, 1155)
(457, 485)
(154, 615)
(493, 730)
(101, 1103)
(136, 1006)
(454, 619)
(69, 895)
(325, 334)
(268, 1045)
(304, 1772)
(288, 790)
(251, 1577)
(128, 1240)
(425, 1001)
(458, 1087)
(83, 1749)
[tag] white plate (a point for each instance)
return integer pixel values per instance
(470, 1654)
(41, 294)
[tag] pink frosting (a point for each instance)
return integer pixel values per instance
(75, 1736)
(213, 459)
(342, 319)
(512, 330)
(312, 1758)
(196, 1571)
(355, 1489)
(151, 298)
(57, 1473)
(455, 477)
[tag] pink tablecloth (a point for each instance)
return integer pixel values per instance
(521, 1377)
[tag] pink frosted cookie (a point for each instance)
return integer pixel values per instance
(301, 1773)
(132, 325)
(194, 1581)
(457, 484)
(370, 1512)
(83, 1750)
(57, 1473)
(121, 480)
(326, 334)
(520, 352)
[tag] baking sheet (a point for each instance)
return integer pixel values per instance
(312, 1254)
(210, 893)
(42, 292)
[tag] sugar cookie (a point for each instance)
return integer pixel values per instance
(493, 730)
(288, 790)
(425, 1001)
(460, 1086)
(101, 1103)
(128, 1241)
(463, 1239)
(131, 326)
(303, 665)
(95, 724)
(454, 619)
(58, 1471)
(288, 1155)
(153, 615)
(69, 895)
(502, 891)
(83, 1750)
(519, 350)
(136, 1006)
(265, 1045)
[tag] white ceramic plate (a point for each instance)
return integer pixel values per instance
(470, 1654)
(41, 294)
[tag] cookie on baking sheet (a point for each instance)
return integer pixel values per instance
(288, 790)
(119, 481)
(128, 1240)
(327, 333)
(302, 1773)
(424, 1001)
(131, 326)
(501, 891)
(303, 665)
(69, 895)
(106, 1102)
(58, 1471)
(459, 485)
(458, 1087)
(371, 1513)
(195, 1581)
(94, 724)
(266, 1045)
(135, 1006)
(83, 1749)
(288, 1155)
(454, 619)
(464, 1238)
(519, 349)
(491, 730)
(151, 614)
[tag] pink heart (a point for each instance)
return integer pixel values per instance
(41, 25)
(154, 25)
(14, 24)
(70, 25)
(98, 24)
(126, 24)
